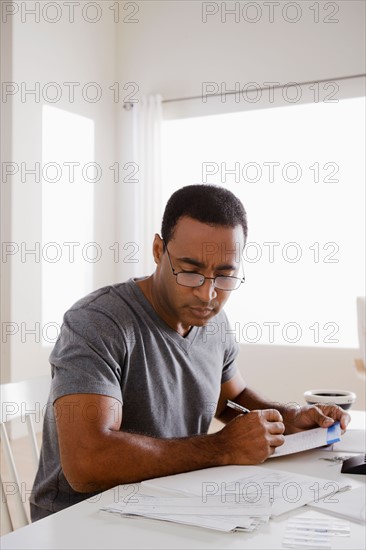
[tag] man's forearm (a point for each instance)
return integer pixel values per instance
(124, 457)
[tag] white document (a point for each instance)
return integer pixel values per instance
(186, 505)
(353, 441)
(212, 513)
(348, 505)
(225, 498)
(308, 439)
(285, 491)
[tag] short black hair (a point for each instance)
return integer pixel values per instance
(205, 203)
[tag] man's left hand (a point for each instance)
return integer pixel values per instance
(314, 416)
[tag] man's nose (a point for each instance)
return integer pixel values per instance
(207, 291)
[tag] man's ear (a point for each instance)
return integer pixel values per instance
(158, 248)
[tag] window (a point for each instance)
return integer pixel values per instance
(299, 171)
(68, 252)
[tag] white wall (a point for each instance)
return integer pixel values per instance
(171, 50)
(43, 52)
(283, 373)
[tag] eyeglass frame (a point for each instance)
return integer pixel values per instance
(241, 279)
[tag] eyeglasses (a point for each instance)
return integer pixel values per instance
(192, 279)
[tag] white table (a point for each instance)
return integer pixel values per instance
(83, 526)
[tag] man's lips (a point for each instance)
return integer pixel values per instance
(201, 311)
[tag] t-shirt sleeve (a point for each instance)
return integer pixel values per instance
(231, 351)
(88, 356)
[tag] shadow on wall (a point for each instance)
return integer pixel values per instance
(284, 373)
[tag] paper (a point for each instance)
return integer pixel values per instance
(285, 491)
(313, 532)
(225, 498)
(210, 513)
(308, 439)
(347, 505)
(353, 441)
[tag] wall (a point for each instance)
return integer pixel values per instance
(171, 51)
(72, 48)
(283, 373)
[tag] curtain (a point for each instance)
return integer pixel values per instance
(140, 204)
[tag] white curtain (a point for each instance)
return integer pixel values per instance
(140, 206)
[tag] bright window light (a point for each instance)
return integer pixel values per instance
(67, 213)
(299, 171)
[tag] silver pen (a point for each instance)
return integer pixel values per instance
(237, 407)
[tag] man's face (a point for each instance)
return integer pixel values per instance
(201, 248)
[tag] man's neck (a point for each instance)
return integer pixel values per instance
(147, 287)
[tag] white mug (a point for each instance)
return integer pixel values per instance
(343, 398)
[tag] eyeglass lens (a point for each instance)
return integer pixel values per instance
(195, 279)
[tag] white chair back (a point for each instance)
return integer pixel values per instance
(23, 400)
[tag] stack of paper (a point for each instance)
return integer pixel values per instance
(212, 514)
(227, 498)
(284, 491)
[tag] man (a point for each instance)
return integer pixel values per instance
(137, 377)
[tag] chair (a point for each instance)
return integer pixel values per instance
(23, 400)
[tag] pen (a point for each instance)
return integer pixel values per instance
(237, 407)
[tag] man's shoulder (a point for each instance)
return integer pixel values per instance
(97, 297)
(106, 295)
(116, 302)
(108, 314)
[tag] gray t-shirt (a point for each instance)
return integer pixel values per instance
(113, 343)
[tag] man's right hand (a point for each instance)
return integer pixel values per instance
(251, 438)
